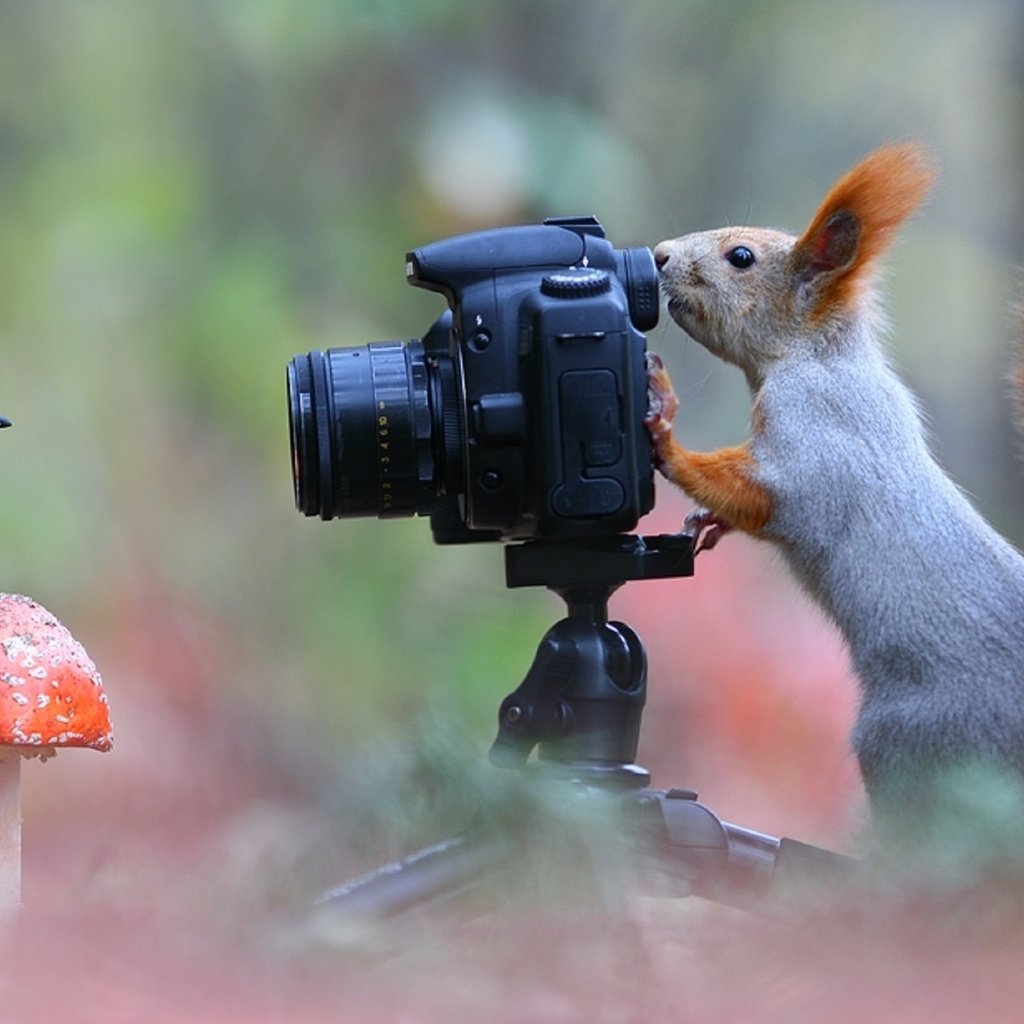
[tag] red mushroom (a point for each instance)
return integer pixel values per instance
(50, 696)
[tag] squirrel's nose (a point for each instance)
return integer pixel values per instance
(661, 256)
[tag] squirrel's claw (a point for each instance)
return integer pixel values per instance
(707, 529)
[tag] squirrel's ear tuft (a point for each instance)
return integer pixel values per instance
(855, 223)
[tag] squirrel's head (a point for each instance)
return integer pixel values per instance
(753, 296)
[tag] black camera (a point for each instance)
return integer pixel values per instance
(518, 415)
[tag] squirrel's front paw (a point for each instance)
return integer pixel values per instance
(707, 529)
(661, 399)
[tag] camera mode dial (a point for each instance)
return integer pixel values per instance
(575, 284)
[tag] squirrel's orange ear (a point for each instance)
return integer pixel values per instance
(855, 223)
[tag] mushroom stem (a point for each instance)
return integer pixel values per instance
(10, 832)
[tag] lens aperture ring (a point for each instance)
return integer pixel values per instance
(405, 466)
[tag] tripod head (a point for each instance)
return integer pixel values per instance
(581, 701)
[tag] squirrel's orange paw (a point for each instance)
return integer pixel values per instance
(662, 403)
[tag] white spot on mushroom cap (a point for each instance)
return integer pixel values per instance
(19, 645)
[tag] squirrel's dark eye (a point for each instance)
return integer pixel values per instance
(740, 257)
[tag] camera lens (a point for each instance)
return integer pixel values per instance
(368, 430)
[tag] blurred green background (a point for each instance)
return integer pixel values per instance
(193, 191)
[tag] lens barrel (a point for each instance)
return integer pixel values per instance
(362, 431)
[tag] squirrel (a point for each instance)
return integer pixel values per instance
(837, 473)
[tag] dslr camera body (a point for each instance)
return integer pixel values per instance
(519, 415)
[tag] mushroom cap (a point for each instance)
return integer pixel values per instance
(50, 692)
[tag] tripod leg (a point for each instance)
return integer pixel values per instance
(451, 868)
